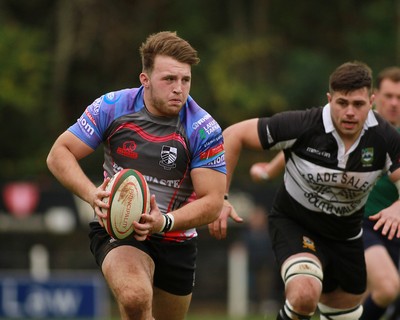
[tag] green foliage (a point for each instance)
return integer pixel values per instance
(239, 78)
(257, 58)
(24, 65)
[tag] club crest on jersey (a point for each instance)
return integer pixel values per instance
(367, 156)
(168, 157)
(308, 243)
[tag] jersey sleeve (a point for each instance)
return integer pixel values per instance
(97, 117)
(205, 137)
(394, 148)
(282, 129)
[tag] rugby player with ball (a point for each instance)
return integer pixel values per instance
(158, 130)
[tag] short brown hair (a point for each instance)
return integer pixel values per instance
(351, 76)
(166, 43)
(391, 73)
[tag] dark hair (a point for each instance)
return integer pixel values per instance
(351, 76)
(391, 73)
(166, 43)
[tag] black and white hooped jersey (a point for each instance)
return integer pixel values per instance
(164, 150)
(325, 188)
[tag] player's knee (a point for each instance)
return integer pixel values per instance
(301, 266)
(303, 296)
(328, 313)
(386, 293)
(135, 301)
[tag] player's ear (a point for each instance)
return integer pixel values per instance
(372, 99)
(328, 95)
(144, 79)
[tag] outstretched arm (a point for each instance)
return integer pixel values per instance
(389, 218)
(236, 137)
(260, 171)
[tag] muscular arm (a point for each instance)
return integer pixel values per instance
(63, 162)
(236, 137)
(209, 186)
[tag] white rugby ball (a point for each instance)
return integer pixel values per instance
(129, 198)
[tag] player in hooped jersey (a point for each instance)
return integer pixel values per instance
(159, 130)
(334, 155)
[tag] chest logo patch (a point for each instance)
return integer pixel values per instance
(168, 157)
(128, 150)
(367, 157)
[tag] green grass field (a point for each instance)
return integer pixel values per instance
(221, 317)
(210, 316)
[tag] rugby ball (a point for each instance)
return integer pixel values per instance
(129, 198)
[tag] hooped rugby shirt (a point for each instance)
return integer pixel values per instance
(325, 188)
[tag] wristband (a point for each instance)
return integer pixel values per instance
(226, 196)
(163, 226)
(169, 221)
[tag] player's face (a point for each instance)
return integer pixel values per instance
(350, 111)
(167, 87)
(387, 101)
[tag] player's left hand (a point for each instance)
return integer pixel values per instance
(389, 220)
(259, 171)
(149, 222)
(219, 228)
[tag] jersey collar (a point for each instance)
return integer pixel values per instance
(328, 123)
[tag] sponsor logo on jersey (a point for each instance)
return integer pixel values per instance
(163, 182)
(210, 153)
(128, 150)
(86, 127)
(94, 108)
(308, 243)
(217, 161)
(168, 157)
(367, 157)
(202, 134)
(318, 152)
(211, 127)
(199, 122)
(111, 97)
(89, 115)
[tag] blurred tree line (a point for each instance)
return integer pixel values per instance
(258, 57)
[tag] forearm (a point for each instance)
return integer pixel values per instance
(237, 137)
(277, 165)
(197, 213)
(65, 167)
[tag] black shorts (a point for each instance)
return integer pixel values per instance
(343, 261)
(372, 237)
(175, 262)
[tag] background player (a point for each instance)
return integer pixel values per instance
(381, 254)
(333, 155)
